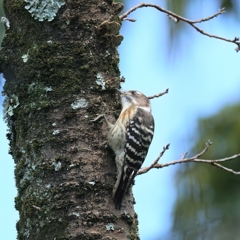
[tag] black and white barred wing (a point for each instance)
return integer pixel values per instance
(139, 137)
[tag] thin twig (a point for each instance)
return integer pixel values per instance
(37, 208)
(146, 169)
(130, 19)
(98, 117)
(220, 11)
(225, 168)
(184, 155)
(159, 95)
(235, 40)
(193, 159)
(178, 18)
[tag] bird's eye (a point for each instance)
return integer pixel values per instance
(133, 92)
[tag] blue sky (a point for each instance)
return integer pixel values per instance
(8, 214)
(202, 75)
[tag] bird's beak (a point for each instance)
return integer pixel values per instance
(119, 91)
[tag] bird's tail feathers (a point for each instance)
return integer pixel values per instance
(123, 184)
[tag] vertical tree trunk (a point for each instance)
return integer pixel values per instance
(59, 70)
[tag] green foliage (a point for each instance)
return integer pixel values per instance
(230, 5)
(207, 205)
(180, 7)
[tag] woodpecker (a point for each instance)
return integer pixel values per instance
(130, 138)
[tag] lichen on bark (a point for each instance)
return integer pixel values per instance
(59, 152)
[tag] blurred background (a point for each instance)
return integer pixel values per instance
(187, 201)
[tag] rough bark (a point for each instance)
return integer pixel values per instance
(57, 74)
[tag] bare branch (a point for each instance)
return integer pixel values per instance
(150, 5)
(184, 155)
(220, 160)
(192, 159)
(176, 18)
(130, 19)
(146, 169)
(225, 168)
(235, 40)
(220, 11)
(159, 95)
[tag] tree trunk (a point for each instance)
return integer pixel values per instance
(59, 71)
